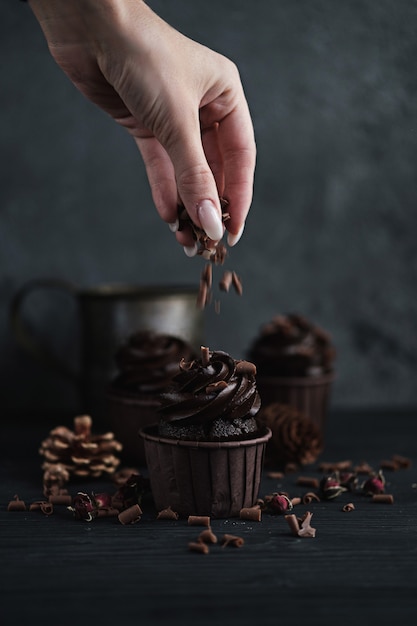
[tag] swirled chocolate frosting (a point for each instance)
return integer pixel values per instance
(295, 437)
(148, 361)
(290, 345)
(211, 397)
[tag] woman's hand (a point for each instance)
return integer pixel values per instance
(182, 102)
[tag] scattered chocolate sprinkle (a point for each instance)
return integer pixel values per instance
(237, 283)
(63, 499)
(309, 497)
(198, 546)
(205, 356)
(347, 508)
(131, 515)
(207, 536)
(308, 481)
(167, 513)
(246, 367)
(328, 468)
(253, 513)
(47, 508)
(226, 281)
(16, 504)
(383, 498)
(199, 520)
(232, 540)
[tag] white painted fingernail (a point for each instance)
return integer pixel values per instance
(233, 239)
(190, 250)
(173, 226)
(210, 220)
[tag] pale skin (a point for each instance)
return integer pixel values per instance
(183, 104)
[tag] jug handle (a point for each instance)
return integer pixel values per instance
(23, 333)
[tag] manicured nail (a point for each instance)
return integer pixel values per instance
(173, 226)
(190, 250)
(210, 220)
(233, 239)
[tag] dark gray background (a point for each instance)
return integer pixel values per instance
(332, 231)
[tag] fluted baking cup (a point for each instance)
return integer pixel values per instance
(204, 477)
(310, 395)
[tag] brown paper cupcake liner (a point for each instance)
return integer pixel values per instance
(204, 477)
(126, 416)
(310, 395)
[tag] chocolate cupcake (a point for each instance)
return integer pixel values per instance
(205, 454)
(296, 439)
(146, 365)
(295, 364)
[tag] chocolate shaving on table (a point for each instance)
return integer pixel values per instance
(232, 540)
(306, 530)
(198, 546)
(363, 468)
(167, 513)
(329, 467)
(396, 462)
(275, 475)
(348, 507)
(199, 520)
(308, 481)
(131, 515)
(383, 498)
(309, 497)
(108, 512)
(295, 501)
(252, 513)
(207, 536)
(60, 499)
(16, 504)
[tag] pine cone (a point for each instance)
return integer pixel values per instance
(295, 437)
(77, 453)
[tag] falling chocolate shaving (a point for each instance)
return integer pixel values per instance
(16, 504)
(253, 513)
(167, 513)
(232, 540)
(199, 520)
(226, 281)
(207, 275)
(131, 515)
(237, 283)
(198, 546)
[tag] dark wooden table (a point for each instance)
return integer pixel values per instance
(361, 568)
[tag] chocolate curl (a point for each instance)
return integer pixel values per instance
(217, 306)
(202, 295)
(383, 498)
(309, 497)
(199, 520)
(246, 367)
(403, 461)
(363, 468)
(232, 540)
(205, 356)
(306, 530)
(198, 546)
(16, 504)
(226, 281)
(237, 284)
(207, 536)
(167, 514)
(131, 515)
(347, 508)
(307, 481)
(253, 513)
(295, 501)
(292, 522)
(207, 275)
(60, 499)
(329, 468)
(47, 508)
